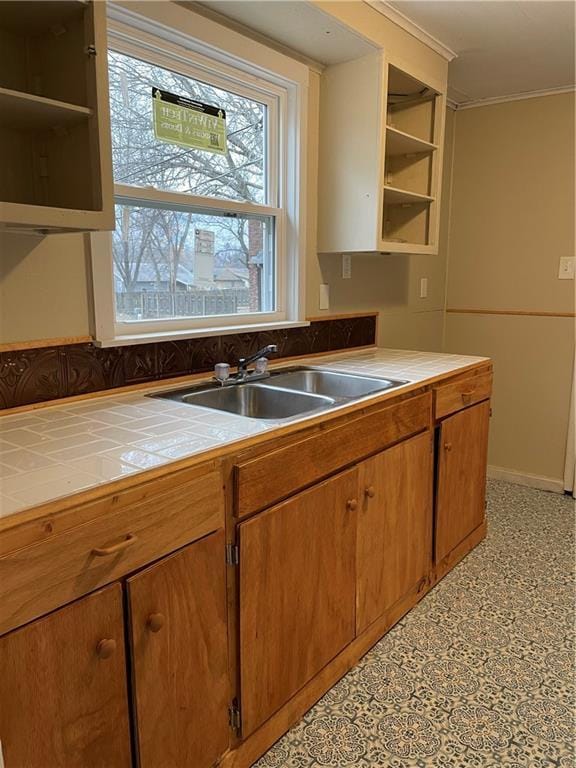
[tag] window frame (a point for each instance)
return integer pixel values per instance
(227, 60)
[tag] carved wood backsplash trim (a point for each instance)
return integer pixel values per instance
(48, 373)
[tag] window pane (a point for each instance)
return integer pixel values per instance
(180, 263)
(142, 160)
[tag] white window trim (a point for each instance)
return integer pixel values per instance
(168, 31)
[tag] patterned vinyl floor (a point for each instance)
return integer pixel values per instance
(479, 675)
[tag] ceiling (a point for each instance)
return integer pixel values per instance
(297, 25)
(504, 47)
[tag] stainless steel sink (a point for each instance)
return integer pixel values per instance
(256, 401)
(284, 394)
(331, 383)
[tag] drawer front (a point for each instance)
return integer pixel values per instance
(39, 578)
(264, 480)
(460, 394)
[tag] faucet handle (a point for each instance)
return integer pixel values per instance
(261, 365)
(222, 372)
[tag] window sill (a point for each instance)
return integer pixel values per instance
(197, 333)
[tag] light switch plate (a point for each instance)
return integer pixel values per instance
(324, 297)
(566, 268)
(423, 287)
(346, 266)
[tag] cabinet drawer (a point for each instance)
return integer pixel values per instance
(266, 479)
(125, 536)
(460, 394)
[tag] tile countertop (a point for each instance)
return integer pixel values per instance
(56, 451)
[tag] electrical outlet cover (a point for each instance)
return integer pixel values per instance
(346, 266)
(566, 268)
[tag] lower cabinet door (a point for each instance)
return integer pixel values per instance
(461, 493)
(63, 701)
(180, 657)
(394, 526)
(297, 594)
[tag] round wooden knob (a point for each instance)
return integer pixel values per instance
(106, 648)
(155, 622)
(370, 492)
(447, 446)
(351, 505)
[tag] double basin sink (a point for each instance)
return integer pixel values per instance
(285, 394)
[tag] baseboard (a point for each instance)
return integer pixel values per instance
(524, 478)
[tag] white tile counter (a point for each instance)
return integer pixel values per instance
(52, 452)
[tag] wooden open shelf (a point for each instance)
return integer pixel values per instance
(401, 143)
(25, 110)
(395, 196)
(39, 15)
(54, 117)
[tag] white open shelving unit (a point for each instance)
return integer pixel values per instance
(380, 158)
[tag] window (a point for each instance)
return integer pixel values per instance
(209, 235)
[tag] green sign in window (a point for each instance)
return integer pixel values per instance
(189, 123)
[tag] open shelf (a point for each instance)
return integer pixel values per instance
(395, 196)
(54, 142)
(24, 110)
(401, 143)
(37, 16)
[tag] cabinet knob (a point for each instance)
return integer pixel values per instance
(105, 648)
(467, 397)
(447, 446)
(155, 622)
(370, 492)
(351, 505)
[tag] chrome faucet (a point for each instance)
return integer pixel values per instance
(243, 374)
(244, 362)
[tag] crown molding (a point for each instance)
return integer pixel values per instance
(391, 13)
(513, 97)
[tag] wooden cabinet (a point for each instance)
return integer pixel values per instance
(277, 474)
(394, 541)
(110, 538)
(461, 476)
(179, 657)
(63, 697)
(297, 593)
(380, 158)
(54, 125)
